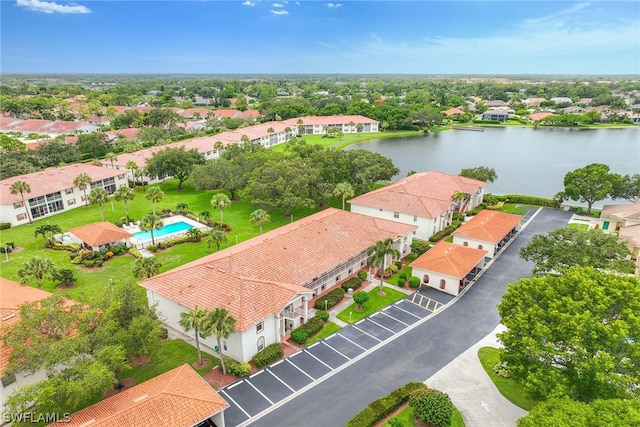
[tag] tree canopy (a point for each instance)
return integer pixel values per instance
(575, 335)
(481, 173)
(570, 413)
(563, 248)
(591, 183)
(174, 161)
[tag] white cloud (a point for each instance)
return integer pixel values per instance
(51, 7)
(278, 5)
(279, 12)
(249, 3)
(334, 5)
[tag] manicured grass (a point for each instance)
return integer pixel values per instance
(375, 303)
(329, 329)
(394, 279)
(509, 388)
(173, 353)
(577, 226)
(514, 209)
(407, 418)
(347, 139)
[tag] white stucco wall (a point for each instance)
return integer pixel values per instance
(426, 226)
(478, 244)
(452, 284)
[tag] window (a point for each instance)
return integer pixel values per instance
(260, 343)
(380, 210)
(8, 379)
(224, 345)
(443, 284)
(350, 271)
(17, 205)
(479, 246)
(396, 214)
(415, 218)
(71, 202)
(425, 278)
(465, 243)
(337, 278)
(414, 232)
(68, 191)
(259, 327)
(21, 216)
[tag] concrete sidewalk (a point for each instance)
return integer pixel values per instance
(473, 392)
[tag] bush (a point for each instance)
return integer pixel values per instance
(321, 314)
(393, 268)
(524, 199)
(69, 247)
(5, 225)
(221, 225)
(353, 283)
(312, 326)
(10, 244)
(419, 247)
(457, 216)
(153, 248)
(448, 230)
(269, 355)
(299, 336)
(135, 253)
(119, 250)
(401, 281)
(236, 368)
(162, 245)
(385, 405)
(477, 209)
(164, 333)
(403, 275)
(414, 282)
(86, 254)
(64, 276)
(332, 298)
(433, 407)
(362, 275)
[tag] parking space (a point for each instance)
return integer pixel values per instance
(233, 415)
(358, 336)
(290, 374)
(247, 397)
(310, 364)
(426, 302)
(344, 346)
(327, 354)
(373, 329)
(387, 321)
(271, 386)
(402, 315)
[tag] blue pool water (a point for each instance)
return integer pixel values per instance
(176, 227)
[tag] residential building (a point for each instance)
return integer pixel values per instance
(561, 100)
(501, 116)
(423, 199)
(317, 125)
(45, 127)
(97, 236)
(53, 191)
(533, 102)
(453, 112)
(488, 230)
(179, 397)
(448, 267)
(624, 220)
(267, 282)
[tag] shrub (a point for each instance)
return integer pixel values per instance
(312, 326)
(322, 315)
(401, 281)
(477, 209)
(457, 216)
(394, 422)
(398, 264)
(403, 275)
(86, 254)
(299, 336)
(269, 355)
(414, 282)
(153, 248)
(236, 368)
(353, 283)
(64, 276)
(393, 268)
(109, 254)
(362, 275)
(5, 225)
(69, 247)
(384, 406)
(119, 250)
(162, 245)
(332, 298)
(419, 247)
(10, 244)
(360, 298)
(433, 407)
(164, 333)
(525, 200)
(221, 225)
(135, 253)
(448, 230)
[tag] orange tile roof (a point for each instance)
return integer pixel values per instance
(179, 397)
(100, 233)
(540, 116)
(53, 180)
(449, 259)
(12, 295)
(258, 277)
(488, 226)
(453, 111)
(329, 120)
(425, 194)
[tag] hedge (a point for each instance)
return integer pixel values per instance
(322, 315)
(135, 253)
(448, 230)
(312, 326)
(269, 355)
(5, 225)
(299, 336)
(382, 407)
(419, 247)
(353, 283)
(525, 200)
(236, 368)
(332, 298)
(414, 282)
(362, 274)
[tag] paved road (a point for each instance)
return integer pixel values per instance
(415, 354)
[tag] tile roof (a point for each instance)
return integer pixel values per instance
(540, 115)
(449, 259)
(453, 111)
(258, 277)
(630, 234)
(329, 120)
(52, 180)
(488, 226)
(100, 233)
(629, 211)
(425, 194)
(179, 397)
(129, 133)
(12, 295)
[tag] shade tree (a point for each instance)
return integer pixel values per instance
(591, 184)
(481, 173)
(176, 162)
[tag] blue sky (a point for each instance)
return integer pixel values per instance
(286, 37)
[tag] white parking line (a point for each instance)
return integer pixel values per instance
(238, 383)
(235, 403)
(313, 345)
(397, 320)
(278, 378)
(277, 363)
(256, 374)
(261, 393)
(366, 333)
(408, 312)
(307, 351)
(356, 344)
(383, 327)
(296, 366)
(337, 351)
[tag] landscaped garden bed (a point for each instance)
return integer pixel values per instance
(375, 303)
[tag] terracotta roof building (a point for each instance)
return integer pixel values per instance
(424, 199)
(624, 219)
(266, 282)
(453, 112)
(488, 230)
(315, 125)
(100, 234)
(179, 397)
(448, 267)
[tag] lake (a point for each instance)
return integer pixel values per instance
(527, 161)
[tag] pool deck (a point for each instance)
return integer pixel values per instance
(140, 244)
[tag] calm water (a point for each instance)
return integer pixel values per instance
(167, 229)
(527, 161)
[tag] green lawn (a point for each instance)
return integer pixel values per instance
(329, 329)
(347, 139)
(408, 420)
(394, 278)
(514, 209)
(94, 282)
(375, 303)
(578, 226)
(510, 389)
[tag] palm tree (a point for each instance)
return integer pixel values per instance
(132, 166)
(146, 267)
(39, 269)
(216, 237)
(124, 194)
(300, 124)
(459, 198)
(205, 214)
(218, 146)
(99, 196)
(260, 216)
(182, 207)
(196, 320)
(22, 187)
(220, 201)
(155, 194)
(82, 181)
(343, 190)
(222, 324)
(378, 254)
(245, 140)
(151, 222)
(47, 231)
(194, 234)
(111, 156)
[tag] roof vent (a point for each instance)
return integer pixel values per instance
(140, 398)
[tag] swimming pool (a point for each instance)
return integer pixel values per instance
(174, 228)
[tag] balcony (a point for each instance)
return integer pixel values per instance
(292, 314)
